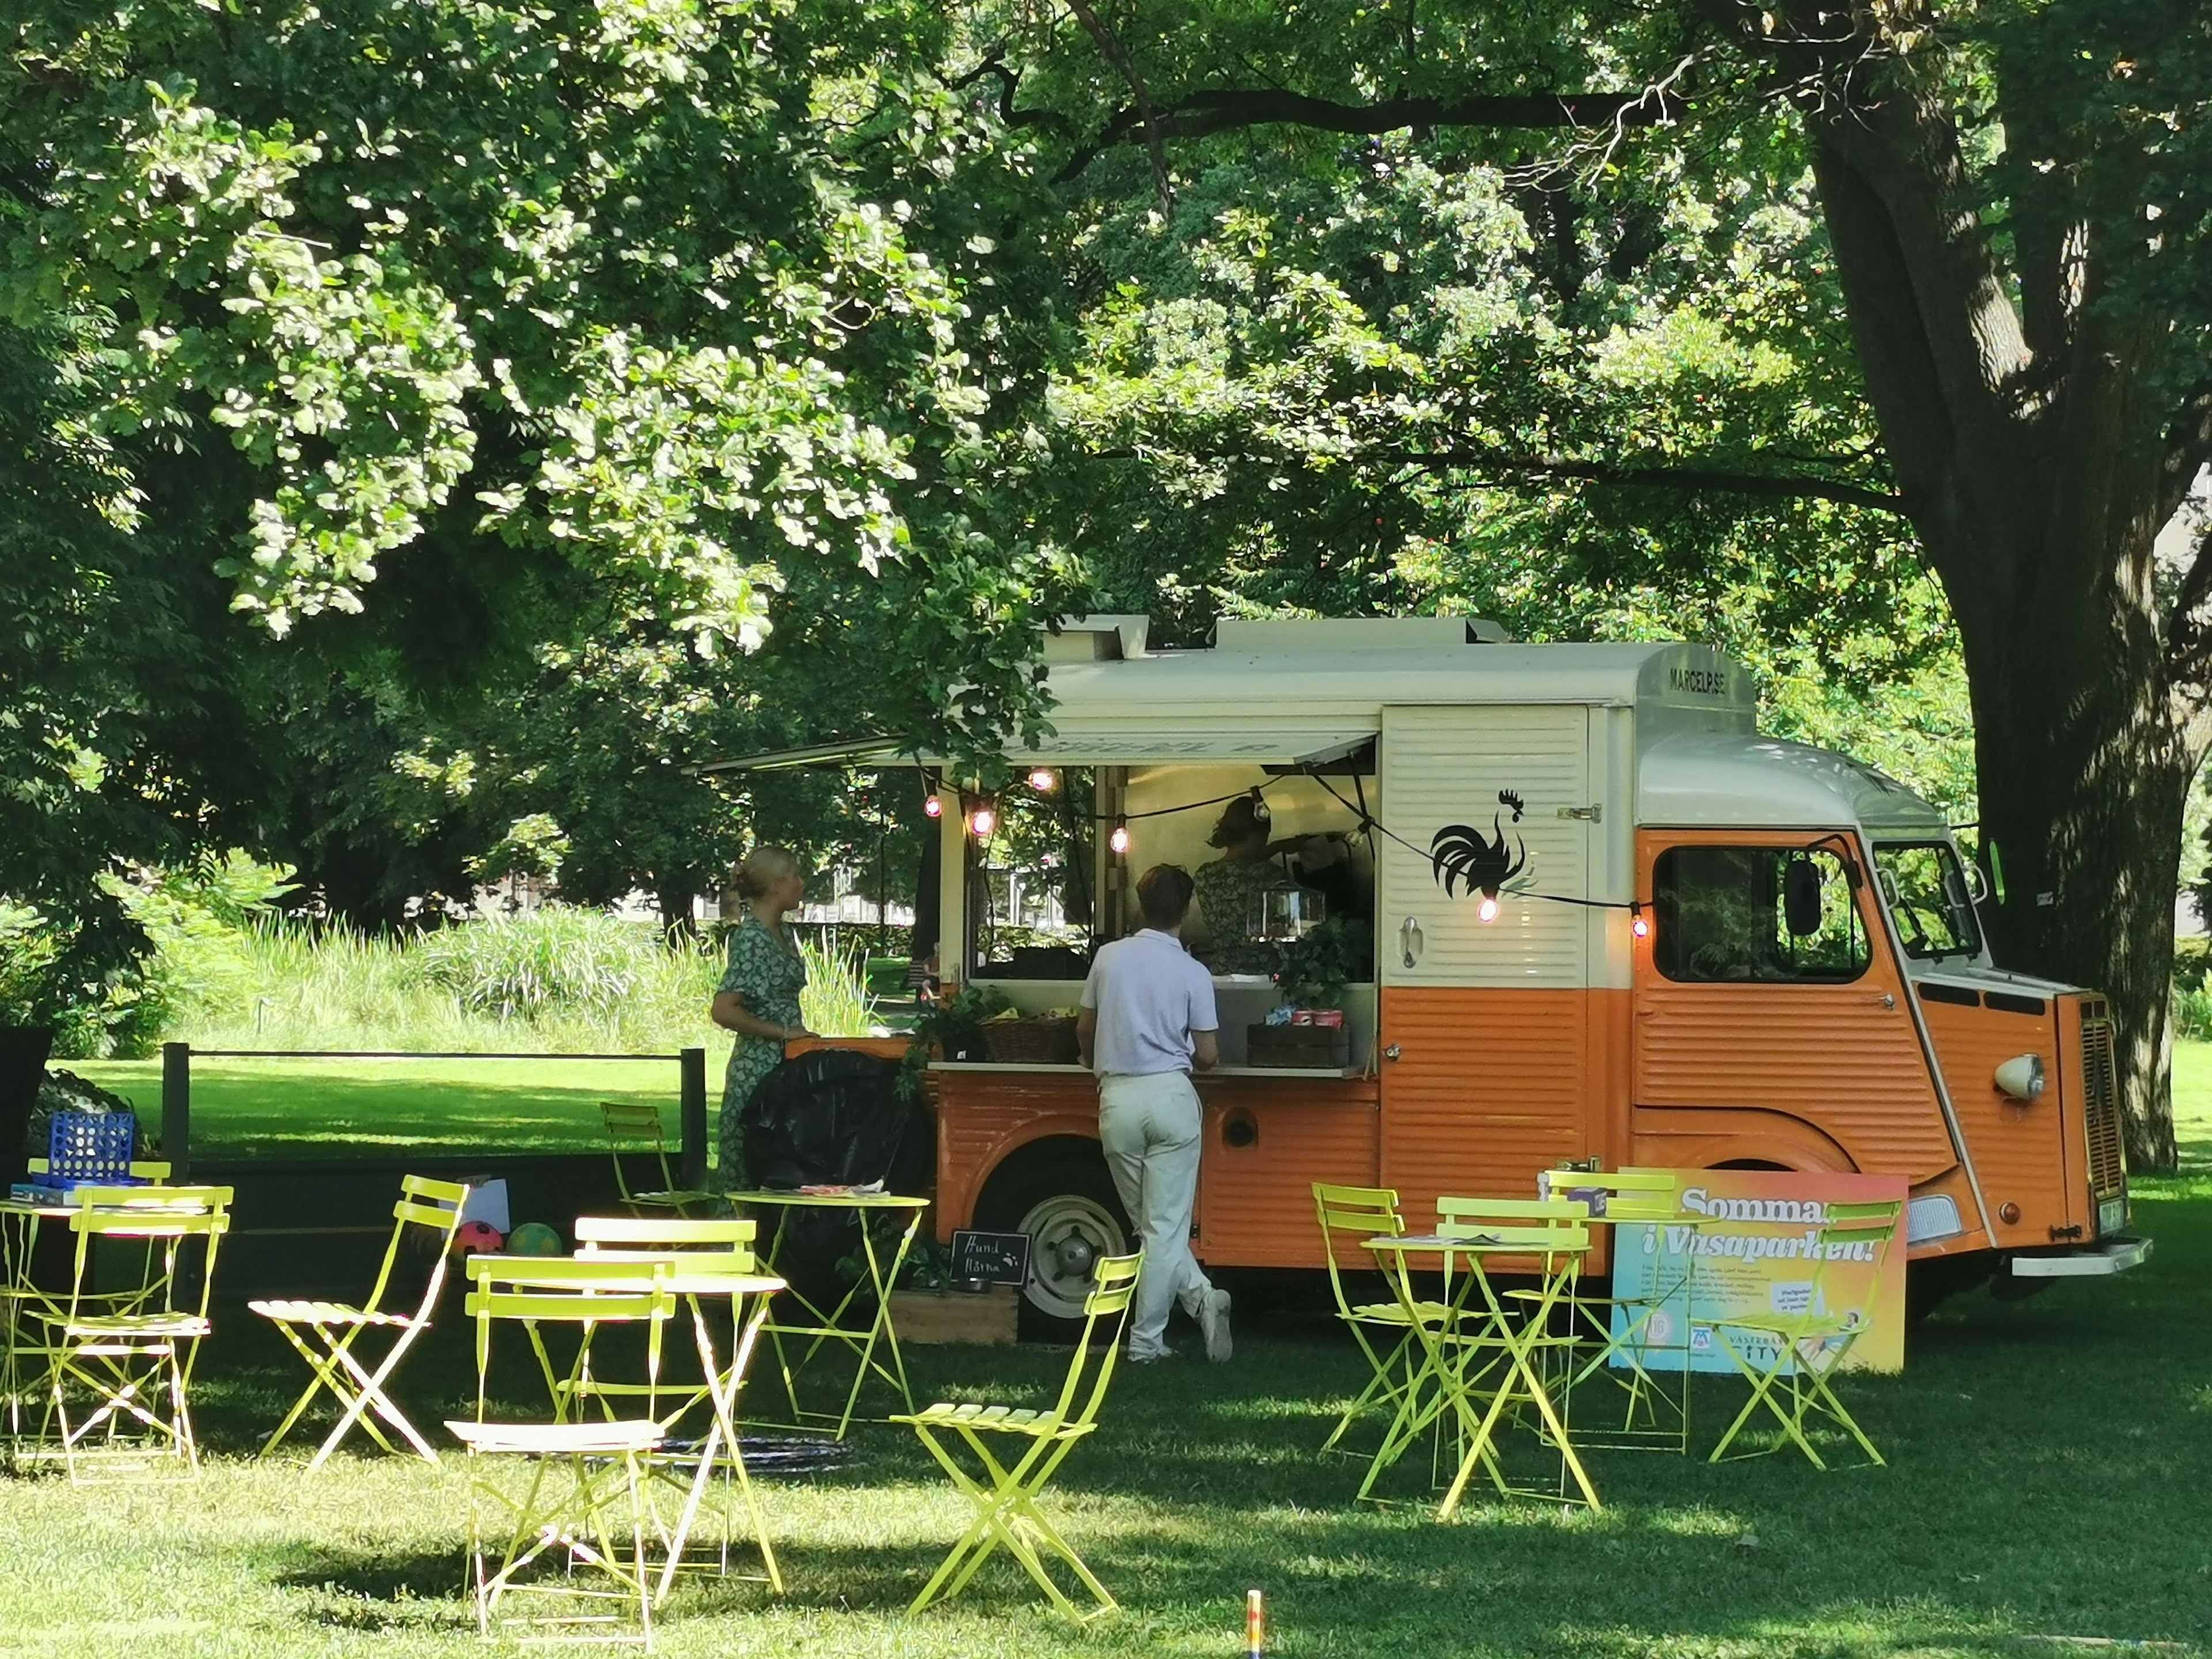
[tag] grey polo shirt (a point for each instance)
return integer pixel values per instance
(1150, 994)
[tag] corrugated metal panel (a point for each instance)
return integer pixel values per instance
(1256, 1200)
(1490, 1087)
(1831, 1054)
(1448, 767)
(2016, 1147)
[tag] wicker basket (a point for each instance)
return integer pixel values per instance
(1034, 1039)
(1313, 1048)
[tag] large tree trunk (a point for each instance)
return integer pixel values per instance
(2038, 480)
(2083, 774)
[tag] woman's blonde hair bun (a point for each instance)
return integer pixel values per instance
(762, 867)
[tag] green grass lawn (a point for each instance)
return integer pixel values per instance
(332, 1107)
(2050, 1463)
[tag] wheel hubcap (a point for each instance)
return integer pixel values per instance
(1068, 1234)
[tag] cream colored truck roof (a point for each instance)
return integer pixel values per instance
(1280, 691)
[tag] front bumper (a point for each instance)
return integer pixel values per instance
(2111, 1255)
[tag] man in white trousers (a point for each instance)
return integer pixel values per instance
(1148, 1017)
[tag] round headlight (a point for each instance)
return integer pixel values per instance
(2022, 1076)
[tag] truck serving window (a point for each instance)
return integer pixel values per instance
(1927, 896)
(1720, 917)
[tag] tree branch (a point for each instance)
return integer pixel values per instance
(1111, 48)
(1506, 465)
(1201, 114)
(1009, 85)
(1694, 480)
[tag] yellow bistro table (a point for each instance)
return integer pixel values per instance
(825, 1330)
(1465, 1348)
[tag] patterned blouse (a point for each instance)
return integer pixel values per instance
(1228, 891)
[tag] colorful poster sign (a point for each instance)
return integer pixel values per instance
(1749, 1244)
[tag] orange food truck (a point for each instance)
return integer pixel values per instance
(1583, 911)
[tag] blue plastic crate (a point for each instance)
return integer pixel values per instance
(90, 1147)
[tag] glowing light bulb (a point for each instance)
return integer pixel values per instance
(1641, 927)
(983, 820)
(1487, 910)
(1044, 779)
(933, 808)
(1119, 841)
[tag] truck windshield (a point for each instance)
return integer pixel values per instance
(1927, 894)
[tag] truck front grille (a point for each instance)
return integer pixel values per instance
(2101, 1102)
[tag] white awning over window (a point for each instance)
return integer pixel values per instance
(1104, 745)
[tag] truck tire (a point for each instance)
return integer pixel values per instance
(1059, 1193)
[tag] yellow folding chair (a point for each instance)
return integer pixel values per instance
(577, 1521)
(1357, 1214)
(629, 1123)
(1617, 1332)
(708, 1257)
(1004, 1495)
(1803, 1350)
(433, 1205)
(137, 1365)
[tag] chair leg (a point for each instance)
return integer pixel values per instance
(1007, 1516)
(1763, 1391)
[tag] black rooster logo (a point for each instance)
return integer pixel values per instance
(1461, 852)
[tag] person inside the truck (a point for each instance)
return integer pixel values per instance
(1233, 890)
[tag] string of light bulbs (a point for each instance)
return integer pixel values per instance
(982, 819)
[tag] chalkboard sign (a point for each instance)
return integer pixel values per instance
(992, 1258)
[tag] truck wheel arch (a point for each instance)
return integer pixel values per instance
(1057, 1189)
(1731, 1138)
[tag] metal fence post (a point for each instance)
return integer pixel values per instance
(691, 1117)
(177, 1109)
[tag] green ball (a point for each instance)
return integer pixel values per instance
(534, 1238)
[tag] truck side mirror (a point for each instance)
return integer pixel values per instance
(1801, 897)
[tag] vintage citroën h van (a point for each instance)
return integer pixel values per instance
(1583, 911)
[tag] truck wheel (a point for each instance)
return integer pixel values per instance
(1063, 1199)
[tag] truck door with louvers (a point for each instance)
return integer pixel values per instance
(1485, 1028)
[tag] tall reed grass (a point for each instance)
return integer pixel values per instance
(559, 979)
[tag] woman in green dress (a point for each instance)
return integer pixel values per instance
(758, 997)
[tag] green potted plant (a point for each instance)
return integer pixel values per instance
(1316, 968)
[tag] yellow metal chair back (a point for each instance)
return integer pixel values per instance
(1628, 1195)
(636, 1236)
(1005, 1493)
(578, 1291)
(629, 1122)
(325, 1333)
(141, 1168)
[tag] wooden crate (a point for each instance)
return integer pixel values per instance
(1302, 1047)
(936, 1317)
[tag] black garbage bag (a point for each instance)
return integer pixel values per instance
(834, 1116)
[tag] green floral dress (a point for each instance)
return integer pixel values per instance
(767, 970)
(1226, 891)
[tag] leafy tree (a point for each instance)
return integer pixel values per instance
(602, 341)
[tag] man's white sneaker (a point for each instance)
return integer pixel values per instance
(1213, 1320)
